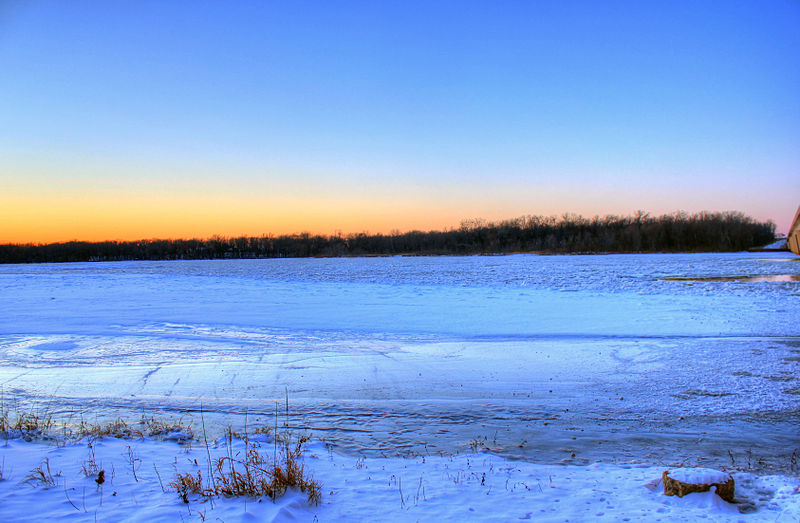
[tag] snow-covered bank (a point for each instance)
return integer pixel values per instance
(474, 487)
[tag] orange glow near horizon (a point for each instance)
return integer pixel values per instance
(127, 219)
(53, 220)
(36, 207)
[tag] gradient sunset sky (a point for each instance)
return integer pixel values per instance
(167, 119)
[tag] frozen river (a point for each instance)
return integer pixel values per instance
(657, 358)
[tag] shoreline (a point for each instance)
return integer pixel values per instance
(405, 255)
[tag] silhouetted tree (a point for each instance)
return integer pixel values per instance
(728, 231)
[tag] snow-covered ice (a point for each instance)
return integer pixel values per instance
(621, 359)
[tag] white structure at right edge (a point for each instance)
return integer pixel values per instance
(793, 238)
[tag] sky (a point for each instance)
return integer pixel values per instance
(175, 119)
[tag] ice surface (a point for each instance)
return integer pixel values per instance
(543, 356)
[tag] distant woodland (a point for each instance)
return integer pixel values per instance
(678, 232)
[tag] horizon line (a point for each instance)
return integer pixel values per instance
(466, 222)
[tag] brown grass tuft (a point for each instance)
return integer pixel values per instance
(41, 475)
(186, 484)
(167, 429)
(253, 476)
(151, 427)
(477, 445)
(118, 428)
(27, 425)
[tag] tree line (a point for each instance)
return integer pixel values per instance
(641, 232)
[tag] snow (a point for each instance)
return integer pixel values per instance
(474, 487)
(699, 475)
(580, 366)
(777, 244)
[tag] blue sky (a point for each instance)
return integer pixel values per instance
(197, 118)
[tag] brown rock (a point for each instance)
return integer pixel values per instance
(675, 487)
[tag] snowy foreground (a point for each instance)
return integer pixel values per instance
(475, 486)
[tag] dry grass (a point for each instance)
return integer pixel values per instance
(186, 484)
(253, 475)
(147, 427)
(25, 425)
(41, 475)
(247, 434)
(477, 445)
(118, 428)
(90, 466)
(33, 425)
(167, 429)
